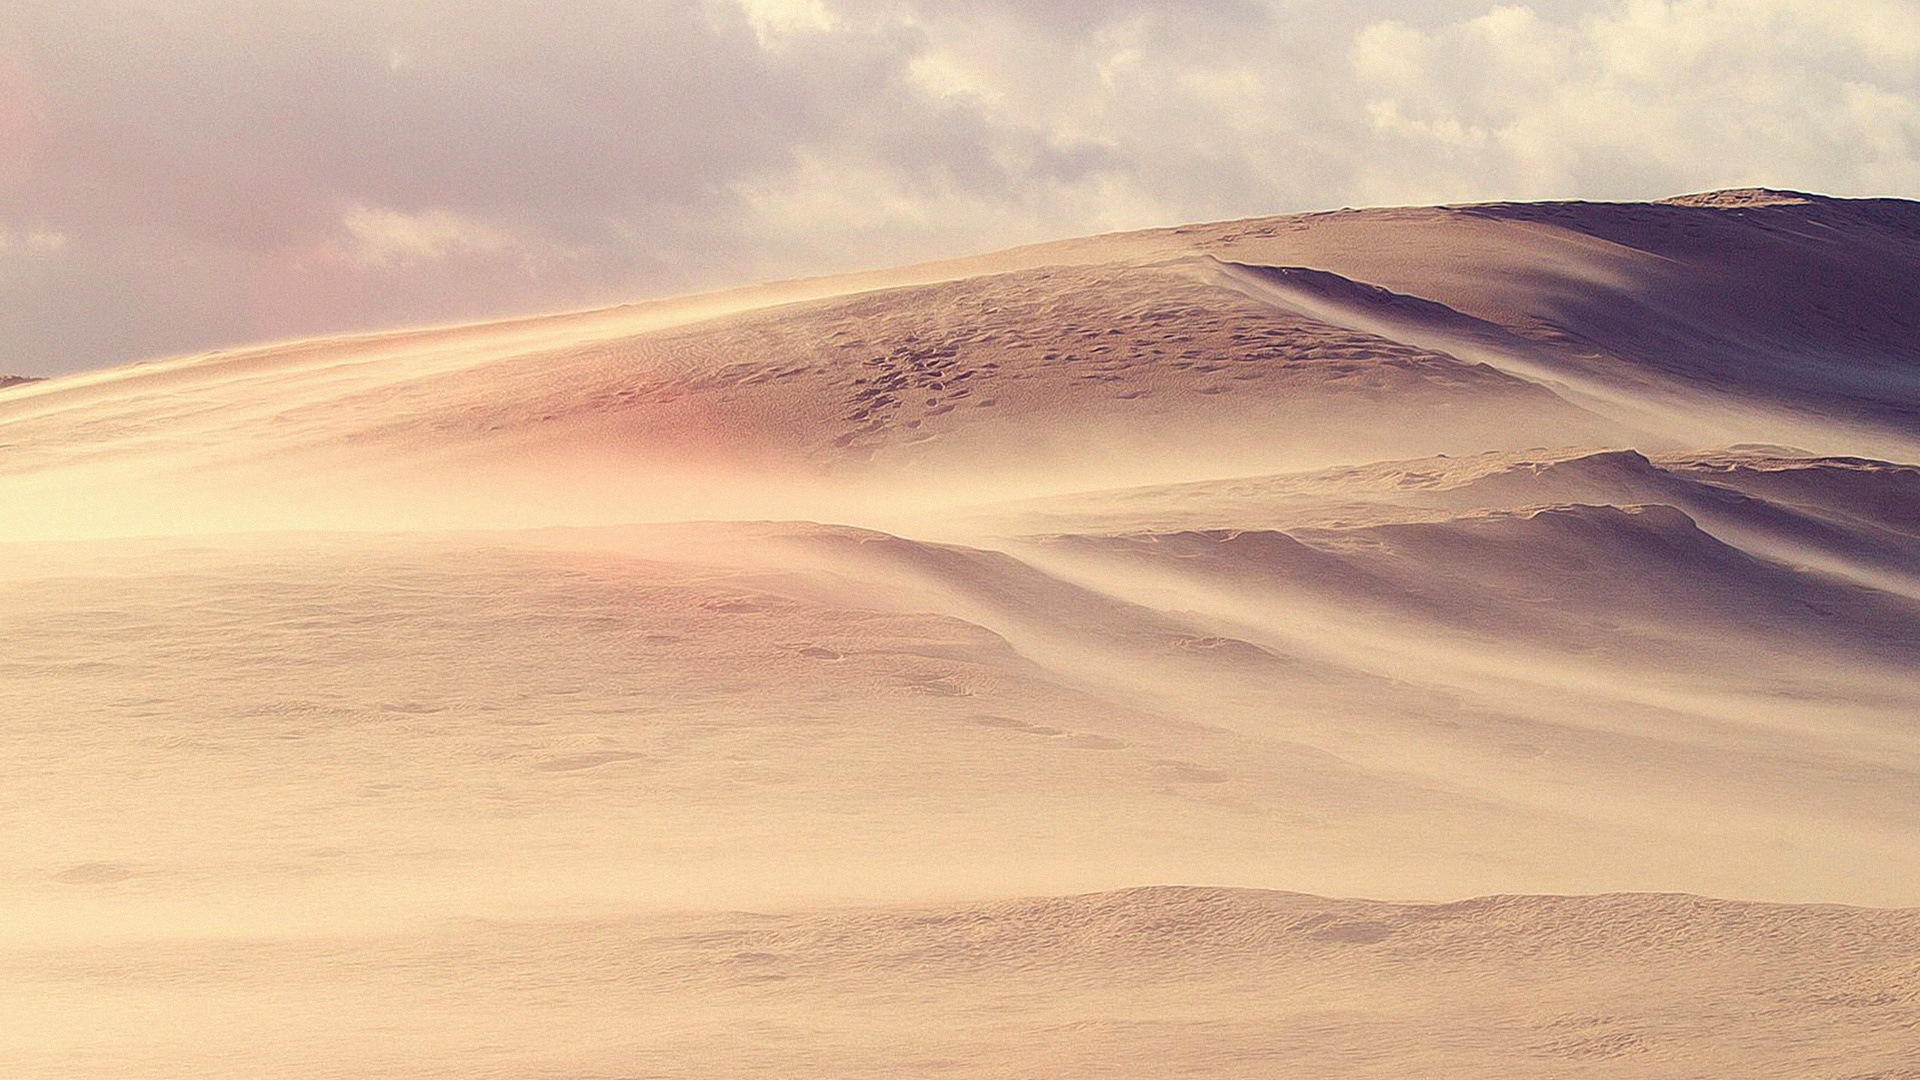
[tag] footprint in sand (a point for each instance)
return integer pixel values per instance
(812, 651)
(1223, 647)
(937, 686)
(1070, 740)
(1008, 723)
(578, 762)
(1186, 772)
(95, 873)
(1083, 740)
(734, 607)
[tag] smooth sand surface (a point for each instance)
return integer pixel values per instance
(999, 668)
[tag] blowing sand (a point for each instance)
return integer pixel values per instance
(998, 668)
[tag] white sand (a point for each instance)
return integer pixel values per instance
(987, 669)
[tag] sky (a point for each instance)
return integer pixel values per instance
(180, 175)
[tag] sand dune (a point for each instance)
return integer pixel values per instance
(1218, 982)
(1035, 643)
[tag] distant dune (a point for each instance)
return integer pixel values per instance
(1193, 353)
(995, 667)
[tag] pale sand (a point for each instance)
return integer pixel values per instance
(487, 701)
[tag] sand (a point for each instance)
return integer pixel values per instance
(1000, 668)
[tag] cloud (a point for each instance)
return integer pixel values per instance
(776, 22)
(383, 237)
(259, 168)
(38, 242)
(1653, 96)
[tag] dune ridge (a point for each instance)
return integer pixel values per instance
(1225, 982)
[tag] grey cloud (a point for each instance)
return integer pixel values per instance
(251, 131)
